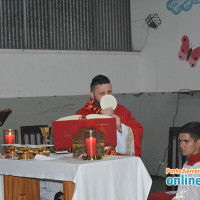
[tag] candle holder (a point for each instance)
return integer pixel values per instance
(97, 157)
(88, 142)
(10, 136)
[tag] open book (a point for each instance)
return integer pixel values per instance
(65, 127)
(77, 117)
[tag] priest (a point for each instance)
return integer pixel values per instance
(129, 131)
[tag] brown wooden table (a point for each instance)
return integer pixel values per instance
(20, 188)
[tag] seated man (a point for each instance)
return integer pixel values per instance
(129, 131)
(189, 138)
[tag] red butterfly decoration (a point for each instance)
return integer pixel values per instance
(186, 53)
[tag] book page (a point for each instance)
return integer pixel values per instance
(71, 117)
(97, 116)
(77, 117)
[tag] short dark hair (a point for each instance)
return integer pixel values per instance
(193, 129)
(98, 80)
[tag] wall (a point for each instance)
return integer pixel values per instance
(48, 73)
(157, 113)
(156, 69)
(161, 70)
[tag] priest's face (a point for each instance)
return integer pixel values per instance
(188, 145)
(100, 91)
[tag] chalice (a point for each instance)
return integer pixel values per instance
(45, 133)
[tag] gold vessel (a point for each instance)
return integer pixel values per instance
(25, 152)
(11, 154)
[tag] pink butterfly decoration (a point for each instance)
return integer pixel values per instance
(186, 53)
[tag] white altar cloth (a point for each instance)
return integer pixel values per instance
(113, 178)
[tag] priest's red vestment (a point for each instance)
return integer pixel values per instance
(125, 117)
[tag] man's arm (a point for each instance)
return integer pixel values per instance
(134, 126)
(110, 112)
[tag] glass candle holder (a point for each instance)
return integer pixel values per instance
(88, 143)
(10, 136)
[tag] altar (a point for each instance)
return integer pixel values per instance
(114, 177)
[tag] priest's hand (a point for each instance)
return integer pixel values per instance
(108, 111)
(118, 123)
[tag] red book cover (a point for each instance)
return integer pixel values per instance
(63, 131)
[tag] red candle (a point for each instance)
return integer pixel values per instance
(91, 146)
(10, 139)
